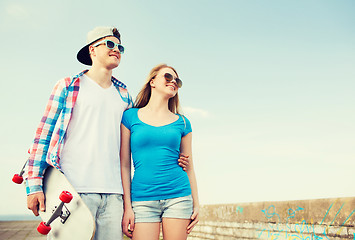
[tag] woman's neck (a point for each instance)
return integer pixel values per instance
(157, 104)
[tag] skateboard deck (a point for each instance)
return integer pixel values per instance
(75, 220)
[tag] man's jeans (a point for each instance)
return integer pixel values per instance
(107, 210)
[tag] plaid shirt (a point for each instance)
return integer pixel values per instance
(46, 147)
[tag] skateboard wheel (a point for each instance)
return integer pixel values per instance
(17, 179)
(43, 228)
(66, 197)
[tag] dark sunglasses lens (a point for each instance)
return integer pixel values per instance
(120, 48)
(168, 77)
(110, 44)
(178, 82)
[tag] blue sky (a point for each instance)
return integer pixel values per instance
(268, 86)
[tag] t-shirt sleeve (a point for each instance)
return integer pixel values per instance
(126, 118)
(187, 128)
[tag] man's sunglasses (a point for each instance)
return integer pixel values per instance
(170, 78)
(110, 45)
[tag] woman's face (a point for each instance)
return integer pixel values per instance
(161, 84)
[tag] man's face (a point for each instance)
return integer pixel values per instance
(105, 57)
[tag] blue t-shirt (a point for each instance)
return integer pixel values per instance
(155, 153)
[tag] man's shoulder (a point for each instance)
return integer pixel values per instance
(122, 89)
(72, 81)
(118, 83)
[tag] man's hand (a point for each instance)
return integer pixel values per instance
(184, 161)
(36, 201)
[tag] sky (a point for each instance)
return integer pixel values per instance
(268, 86)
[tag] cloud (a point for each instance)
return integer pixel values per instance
(196, 112)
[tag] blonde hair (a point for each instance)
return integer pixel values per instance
(145, 93)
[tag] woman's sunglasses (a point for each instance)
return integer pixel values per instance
(110, 45)
(169, 78)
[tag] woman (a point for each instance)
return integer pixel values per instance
(155, 133)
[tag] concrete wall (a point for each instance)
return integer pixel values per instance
(302, 220)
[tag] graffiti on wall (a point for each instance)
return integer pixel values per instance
(239, 210)
(279, 228)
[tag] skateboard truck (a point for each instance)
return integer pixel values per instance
(17, 178)
(65, 197)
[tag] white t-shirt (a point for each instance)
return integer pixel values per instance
(90, 155)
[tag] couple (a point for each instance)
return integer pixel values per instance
(96, 136)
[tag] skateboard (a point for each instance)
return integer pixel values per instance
(66, 216)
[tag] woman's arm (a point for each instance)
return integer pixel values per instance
(186, 148)
(125, 157)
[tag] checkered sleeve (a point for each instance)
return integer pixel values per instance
(36, 163)
(130, 101)
(122, 89)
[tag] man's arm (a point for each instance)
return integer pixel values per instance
(36, 163)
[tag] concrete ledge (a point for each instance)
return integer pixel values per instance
(306, 219)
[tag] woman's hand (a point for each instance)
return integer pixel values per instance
(128, 222)
(194, 220)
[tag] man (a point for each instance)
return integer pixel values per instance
(85, 145)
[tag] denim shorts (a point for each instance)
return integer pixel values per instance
(154, 211)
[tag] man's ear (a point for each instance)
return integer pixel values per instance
(92, 50)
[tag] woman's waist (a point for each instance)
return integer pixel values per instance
(159, 177)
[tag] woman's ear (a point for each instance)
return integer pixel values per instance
(152, 83)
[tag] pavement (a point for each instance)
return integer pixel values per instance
(20, 230)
